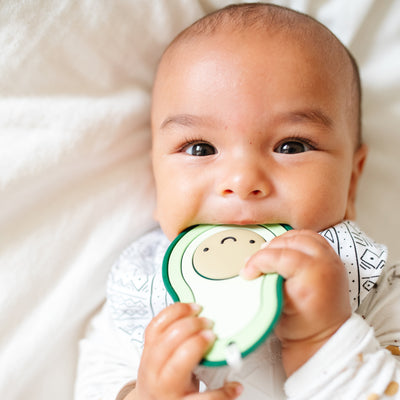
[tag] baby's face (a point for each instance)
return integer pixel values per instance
(250, 129)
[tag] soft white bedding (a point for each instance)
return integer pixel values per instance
(75, 179)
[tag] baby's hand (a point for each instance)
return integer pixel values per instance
(316, 299)
(175, 342)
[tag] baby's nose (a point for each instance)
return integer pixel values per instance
(245, 180)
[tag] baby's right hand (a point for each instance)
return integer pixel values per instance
(175, 342)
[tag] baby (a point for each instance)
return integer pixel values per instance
(255, 119)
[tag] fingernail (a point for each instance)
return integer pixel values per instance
(209, 335)
(244, 273)
(208, 323)
(235, 388)
(196, 308)
(239, 389)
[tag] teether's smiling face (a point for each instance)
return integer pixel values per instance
(252, 128)
(223, 255)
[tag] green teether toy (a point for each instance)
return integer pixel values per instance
(202, 266)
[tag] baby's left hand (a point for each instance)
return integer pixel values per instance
(316, 292)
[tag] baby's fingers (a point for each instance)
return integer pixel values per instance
(168, 316)
(289, 253)
(283, 261)
(186, 356)
(230, 391)
(167, 333)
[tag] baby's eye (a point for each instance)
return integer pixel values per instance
(293, 147)
(200, 149)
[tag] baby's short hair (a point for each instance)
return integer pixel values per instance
(275, 18)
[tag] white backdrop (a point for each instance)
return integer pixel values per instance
(75, 179)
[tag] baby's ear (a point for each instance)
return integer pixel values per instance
(359, 159)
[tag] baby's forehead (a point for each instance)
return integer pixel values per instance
(248, 47)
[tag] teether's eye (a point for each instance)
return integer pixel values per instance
(205, 249)
(252, 241)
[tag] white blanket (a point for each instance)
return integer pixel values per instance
(75, 179)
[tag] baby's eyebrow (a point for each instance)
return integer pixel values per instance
(186, 120)
(314, 116)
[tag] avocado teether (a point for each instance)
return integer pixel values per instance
(202, 266)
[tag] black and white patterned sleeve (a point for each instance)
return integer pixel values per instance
(135, 291)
